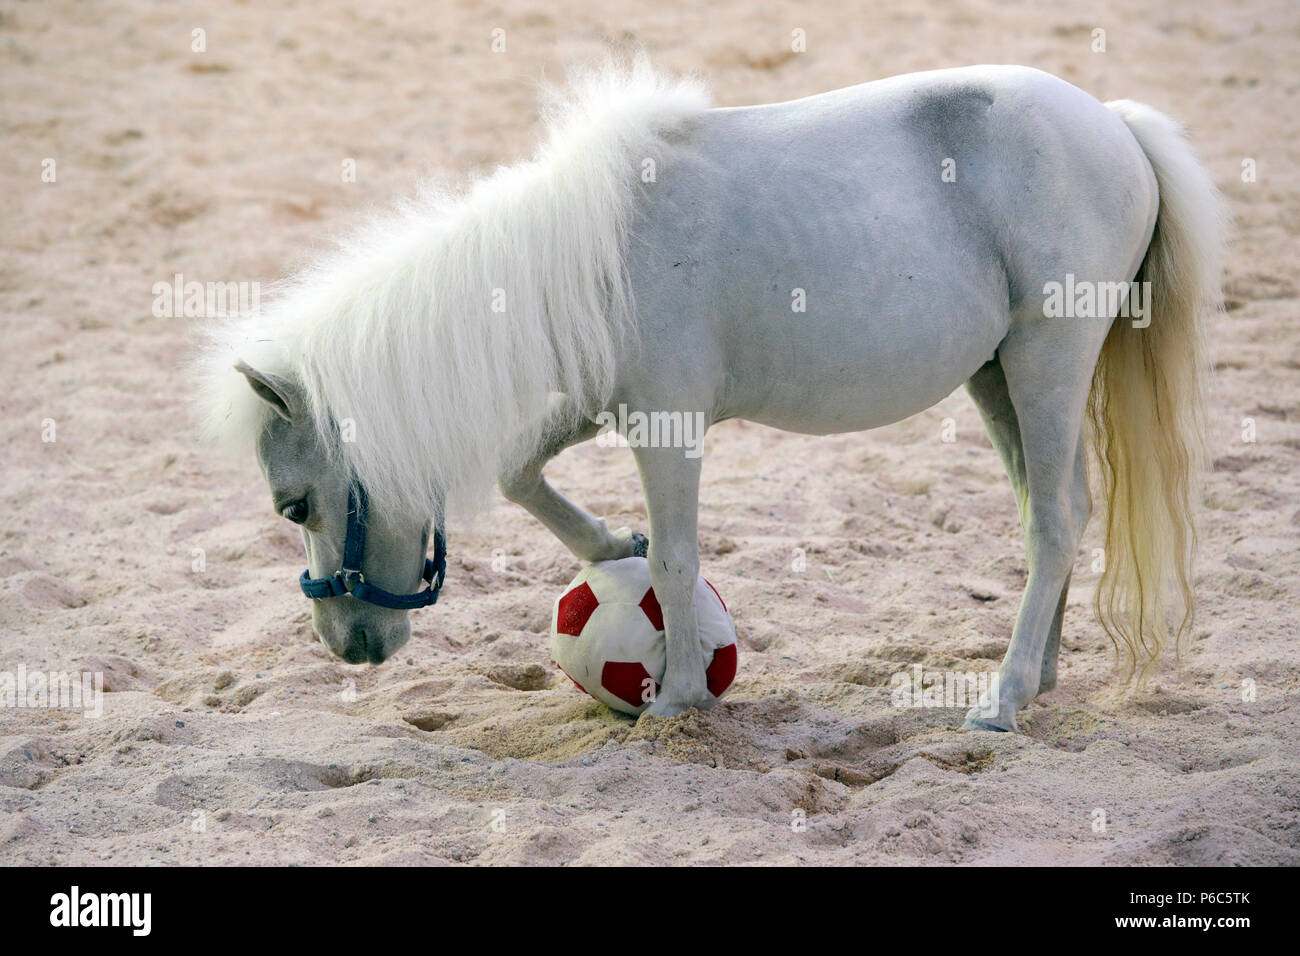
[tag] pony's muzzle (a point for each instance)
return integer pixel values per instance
(365, 641)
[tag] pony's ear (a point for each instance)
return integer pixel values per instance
(281, 394)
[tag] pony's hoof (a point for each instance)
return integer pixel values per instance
(640, 545)
(979, 723)
(982, 718)
(663, 707)
(671, 702)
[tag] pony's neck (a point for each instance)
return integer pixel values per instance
(446, 326)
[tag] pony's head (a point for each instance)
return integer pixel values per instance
(364, 568)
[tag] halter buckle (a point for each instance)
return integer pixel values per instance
(351, 582)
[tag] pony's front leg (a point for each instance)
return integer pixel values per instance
(672, 484)
(587, 536)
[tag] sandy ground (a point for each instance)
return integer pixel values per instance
(230, 736)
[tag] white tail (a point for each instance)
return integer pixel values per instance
(1146, 406)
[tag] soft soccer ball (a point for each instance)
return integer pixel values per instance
(607, 635)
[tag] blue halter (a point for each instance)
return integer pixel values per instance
(350, 580)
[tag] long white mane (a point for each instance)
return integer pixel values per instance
(438, 331)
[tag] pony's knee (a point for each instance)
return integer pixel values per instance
(1053, 539)
(519, 486)
(673, 566)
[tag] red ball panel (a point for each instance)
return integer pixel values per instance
(722, 671)
(626, 681)
(650, 604)
(574, 610)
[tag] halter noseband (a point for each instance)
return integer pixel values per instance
(350, 580)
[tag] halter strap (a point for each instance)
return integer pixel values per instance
(349, 580)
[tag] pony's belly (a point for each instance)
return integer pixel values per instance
(846, 409)
(875, 344)
(883, 380)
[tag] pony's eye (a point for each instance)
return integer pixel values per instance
(296, 512)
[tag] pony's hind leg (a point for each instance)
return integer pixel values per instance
(587, 536)
(988, 389)
(1081, 505)
(1046, 373)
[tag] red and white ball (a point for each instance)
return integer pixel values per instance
(607, 635)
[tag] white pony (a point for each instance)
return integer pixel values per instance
(829, 264)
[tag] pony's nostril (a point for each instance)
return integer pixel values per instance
(374, 645)
(355, 649)
(365, 646)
